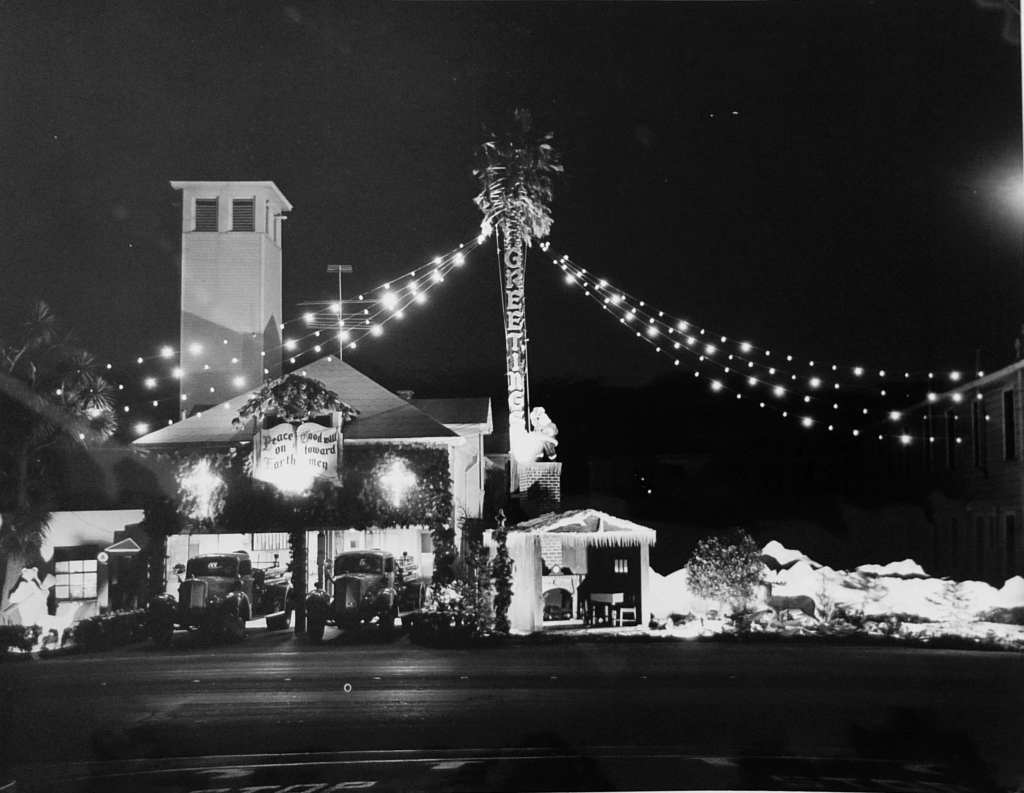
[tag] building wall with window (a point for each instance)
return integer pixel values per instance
(75, 582)
(967, 452)
(230, 288)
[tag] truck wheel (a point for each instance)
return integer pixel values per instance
(315, 631)
(234, 627)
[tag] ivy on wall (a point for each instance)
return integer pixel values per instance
(249, 505)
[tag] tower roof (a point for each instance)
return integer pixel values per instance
(222, 186)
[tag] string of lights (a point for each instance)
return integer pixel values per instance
(739, 373)
(849, 375)
(334, 329)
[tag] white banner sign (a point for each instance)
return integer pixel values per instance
(290, 454)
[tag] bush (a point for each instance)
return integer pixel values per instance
(19, 637)
(453, 613)
(725, 569)
(114, 629)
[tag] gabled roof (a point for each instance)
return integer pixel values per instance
(383, 415)
(587, 527)
(461, 414)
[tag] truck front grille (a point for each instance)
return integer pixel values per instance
(194, 595)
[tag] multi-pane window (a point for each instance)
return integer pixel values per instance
(75, 570)
(426, 542)
(206, 214)
(1009, 427)
(243, 214)
(622, 565)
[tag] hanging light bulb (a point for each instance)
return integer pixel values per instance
(905, 439)
(335, 308)
(149, 382)
(289, 344)
(895, 415)
(807, 422)
(815, 382)
(376, 330)
(166, 352)
(308, 317)
(779, 391)
(716, 385)
(745, 346)
(389, 300)
(459, 259)
(195, 348)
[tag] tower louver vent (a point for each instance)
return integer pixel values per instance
(206, 214)
(243, 213)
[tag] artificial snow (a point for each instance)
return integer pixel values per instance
(880, 595)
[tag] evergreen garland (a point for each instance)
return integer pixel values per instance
(501, 571)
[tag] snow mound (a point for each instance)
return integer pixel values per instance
(908, 567)
(671, 594)
(1011, 595)
(782, 555)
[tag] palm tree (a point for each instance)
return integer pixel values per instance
(515, 175)
(51, 396)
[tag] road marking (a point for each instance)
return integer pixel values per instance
(448, 765)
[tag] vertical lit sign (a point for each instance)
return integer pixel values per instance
(515, 340)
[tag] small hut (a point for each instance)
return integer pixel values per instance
(583, 565)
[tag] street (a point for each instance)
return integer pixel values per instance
(583, 714)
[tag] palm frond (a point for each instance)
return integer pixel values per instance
(515, 173)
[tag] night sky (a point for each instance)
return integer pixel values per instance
(828, 179)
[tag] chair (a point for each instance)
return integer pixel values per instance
(623, 610)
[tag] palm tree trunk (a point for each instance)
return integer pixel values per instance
(512, 249)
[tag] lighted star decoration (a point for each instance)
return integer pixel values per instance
(203, 491)
(396, 480)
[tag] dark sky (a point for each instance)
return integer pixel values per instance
(853, 208)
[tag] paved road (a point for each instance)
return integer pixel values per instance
(585, 715)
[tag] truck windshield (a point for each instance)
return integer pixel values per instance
(222, 566)
(358, 563)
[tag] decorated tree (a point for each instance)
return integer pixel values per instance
(515, 176)
(725, 569)
(52, 398)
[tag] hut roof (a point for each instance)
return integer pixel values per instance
(588, 527)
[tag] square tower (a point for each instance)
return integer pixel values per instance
(230, 288)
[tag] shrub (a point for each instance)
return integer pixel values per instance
(19, 637)
(452, 614)
(725, 569)
(114, 629)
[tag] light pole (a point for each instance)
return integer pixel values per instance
(347, 270)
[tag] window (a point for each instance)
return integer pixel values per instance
(243, 214)
(426, 542)
(75, 570)
(206, 214)
(1009, 427)
(622, 565)
(951, 440)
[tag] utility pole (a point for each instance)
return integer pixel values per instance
(347, 270)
